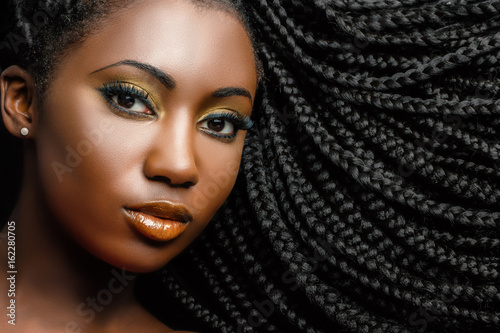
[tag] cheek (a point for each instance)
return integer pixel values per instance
(70, 134)
(76, 151)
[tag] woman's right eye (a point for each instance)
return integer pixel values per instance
(130, 103)
(127, 98)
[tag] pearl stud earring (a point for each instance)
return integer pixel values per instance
(24, 131)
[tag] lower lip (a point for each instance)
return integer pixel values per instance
(155, 228)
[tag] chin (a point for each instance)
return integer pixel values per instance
(140, 256)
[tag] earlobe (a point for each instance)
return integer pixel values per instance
(17, 91)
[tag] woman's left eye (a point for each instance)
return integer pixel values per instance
(130, 103)
(219, 126)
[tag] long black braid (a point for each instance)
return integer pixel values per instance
(368, 195)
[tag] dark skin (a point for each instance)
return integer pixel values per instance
(149, 137)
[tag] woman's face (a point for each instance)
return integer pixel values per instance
(142, 130)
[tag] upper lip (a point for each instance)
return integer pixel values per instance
(164, 210)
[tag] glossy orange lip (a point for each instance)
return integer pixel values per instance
(160, 221)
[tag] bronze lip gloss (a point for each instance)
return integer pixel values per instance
(160, 220)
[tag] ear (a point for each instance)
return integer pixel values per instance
(17, 92)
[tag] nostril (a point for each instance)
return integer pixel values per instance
(168, 181)
(161, 179)
(186, 184)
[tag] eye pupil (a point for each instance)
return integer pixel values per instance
(126, 101)
(216, 125)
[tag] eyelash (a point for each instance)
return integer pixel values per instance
(108, 90)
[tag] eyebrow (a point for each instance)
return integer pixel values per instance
(232, 91)
(169, 82)
(164, 78)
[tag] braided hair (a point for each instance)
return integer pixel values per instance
(366, 200)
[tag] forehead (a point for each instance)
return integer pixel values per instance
(188, 42)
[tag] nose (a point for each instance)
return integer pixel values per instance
(172, 159)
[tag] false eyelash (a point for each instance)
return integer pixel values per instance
(118, 87)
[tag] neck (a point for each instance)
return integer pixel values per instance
(55, 277)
